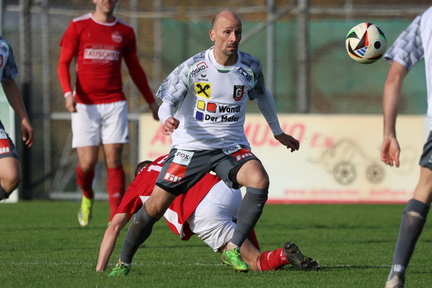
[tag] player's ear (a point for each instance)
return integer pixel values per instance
(211, 34)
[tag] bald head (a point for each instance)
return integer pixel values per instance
(227, 15)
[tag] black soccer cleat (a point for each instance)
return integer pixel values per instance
(297, 259)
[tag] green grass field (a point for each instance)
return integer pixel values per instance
(42, 245)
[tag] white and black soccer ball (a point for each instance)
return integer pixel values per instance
(365, 43)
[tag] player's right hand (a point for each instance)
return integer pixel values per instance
(390, 151)
(170, 125)
(70, 103)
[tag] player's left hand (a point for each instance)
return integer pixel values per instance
(288, 141)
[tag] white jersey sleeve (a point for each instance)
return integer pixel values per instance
(413, 45)
(407, 50)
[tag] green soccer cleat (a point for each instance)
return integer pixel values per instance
(85, 212)
(233, 259)
(120, 269)
(297, 259)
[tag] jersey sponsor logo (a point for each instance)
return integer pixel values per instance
(238, 92)
(183, 157)
(175, 173)
(245, 74)
(214, 108)
(116, 37)
(203, 77)
(232, 149)
(203, 90)
(209, 107)
(101, 54)
(199, 67)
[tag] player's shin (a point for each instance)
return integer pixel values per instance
(139, 230)
(249, 212)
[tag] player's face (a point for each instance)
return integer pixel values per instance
(105, 6)
(227, 34)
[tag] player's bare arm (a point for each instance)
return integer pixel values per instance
(14, 98)
(390, 149)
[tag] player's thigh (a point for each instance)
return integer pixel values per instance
(114, 124)
(86, 126)
(113, 154)
(212, 220)
(87, 157)
(10, 172)
(423, 191)
(253, 174)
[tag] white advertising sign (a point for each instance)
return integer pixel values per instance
(338, 160)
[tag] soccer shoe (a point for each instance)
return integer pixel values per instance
(396, 281)
(233, 259)
(85, 212)
(121, 269)
(297, 259)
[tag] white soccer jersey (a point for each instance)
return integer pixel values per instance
(210, 101)
(414, 44)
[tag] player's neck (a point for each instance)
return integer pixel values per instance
(103, 17)
(223, 59)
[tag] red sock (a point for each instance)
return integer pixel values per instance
(85, 181)
(116, 188)
(271, 260)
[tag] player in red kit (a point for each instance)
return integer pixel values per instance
(98, 42)
(208, 210)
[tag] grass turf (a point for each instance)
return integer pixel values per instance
(42, 245)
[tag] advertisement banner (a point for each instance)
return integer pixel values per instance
(338, 160)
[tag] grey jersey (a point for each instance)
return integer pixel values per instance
(209, 100)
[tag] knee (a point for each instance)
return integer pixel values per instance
(260, 181)
(11, 181)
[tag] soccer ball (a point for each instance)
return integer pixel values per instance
(365, 43)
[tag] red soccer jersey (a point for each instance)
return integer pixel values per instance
(99, 48)
(182, 207)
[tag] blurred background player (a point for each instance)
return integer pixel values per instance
(204, 107)
(99, 41)
(208, 209)
(412, 45)
(10, 171)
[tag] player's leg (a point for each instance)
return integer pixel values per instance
(114, 134)
(411, 226)
(85, 171)
(116, 180)
(10, 170)
(86, 139)
(141, 228)
(10, 176)
(252, 175)
(109, 240)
